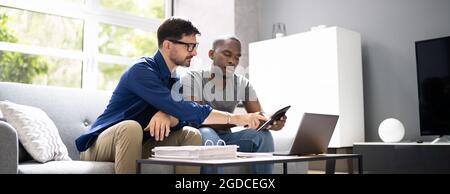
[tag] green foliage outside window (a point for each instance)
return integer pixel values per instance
(18, 67)
(145, 8)
(115, 40)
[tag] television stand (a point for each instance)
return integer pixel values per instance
(404, 158)
(440, 139)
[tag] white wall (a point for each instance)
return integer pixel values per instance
(212, 18)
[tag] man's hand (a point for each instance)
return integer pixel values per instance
(159, 126)
(278, 124)
(251, 120)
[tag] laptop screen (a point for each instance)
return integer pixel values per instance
(314, 134)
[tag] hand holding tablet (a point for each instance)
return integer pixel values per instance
(276, 116)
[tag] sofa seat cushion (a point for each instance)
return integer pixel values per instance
(66, 167)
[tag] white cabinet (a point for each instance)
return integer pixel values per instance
(318, 71)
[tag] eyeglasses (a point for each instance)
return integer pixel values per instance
(190, 46)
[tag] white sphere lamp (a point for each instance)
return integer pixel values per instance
(391, 130)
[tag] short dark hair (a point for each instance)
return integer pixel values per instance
(220, 40)
(175, 28)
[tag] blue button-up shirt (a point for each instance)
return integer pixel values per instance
(143, 90)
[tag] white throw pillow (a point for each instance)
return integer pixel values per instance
(37, 132)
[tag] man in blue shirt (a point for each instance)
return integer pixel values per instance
(143, 112)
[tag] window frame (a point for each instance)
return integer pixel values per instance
(92, 15)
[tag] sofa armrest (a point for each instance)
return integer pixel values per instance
(9, 148)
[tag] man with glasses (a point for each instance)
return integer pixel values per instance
(142, 113)
(222, 89)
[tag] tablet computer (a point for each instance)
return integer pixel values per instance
(276, 116)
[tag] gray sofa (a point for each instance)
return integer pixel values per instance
(72, 111)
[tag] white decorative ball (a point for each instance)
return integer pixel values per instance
(391, 130)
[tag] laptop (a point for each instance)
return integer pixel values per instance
(313, 135)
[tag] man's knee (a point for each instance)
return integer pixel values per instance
(257, 141)
(205, 130)
(191, 135)
(130, 128)
(256, 135)
(265, 134)
(265, 142)
(209, 136)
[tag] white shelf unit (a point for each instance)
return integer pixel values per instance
(318, 71)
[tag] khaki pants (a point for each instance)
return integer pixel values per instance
(122, 144)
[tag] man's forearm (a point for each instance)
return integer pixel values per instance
(212, 124)
(220, 117)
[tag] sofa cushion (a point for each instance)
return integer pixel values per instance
(36, 131)
(71, 109)
(66, 167)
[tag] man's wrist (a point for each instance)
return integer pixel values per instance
(233, 119)
(173, 121)
(228, 117)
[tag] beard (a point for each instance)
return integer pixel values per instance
(184, 62)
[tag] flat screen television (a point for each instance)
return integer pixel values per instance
(433, 78)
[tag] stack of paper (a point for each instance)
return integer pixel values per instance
(196, 152)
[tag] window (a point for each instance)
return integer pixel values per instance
(145, 8)
(26, 68)
(116, 40)
(33, 28)
(61, 72)
(109, 75)
(74, 1)
(75, 43)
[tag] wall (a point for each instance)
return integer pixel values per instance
(212, 18)
(389, 29)
(221, 17)
(246, 28)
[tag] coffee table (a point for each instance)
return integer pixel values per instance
(248, 161)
